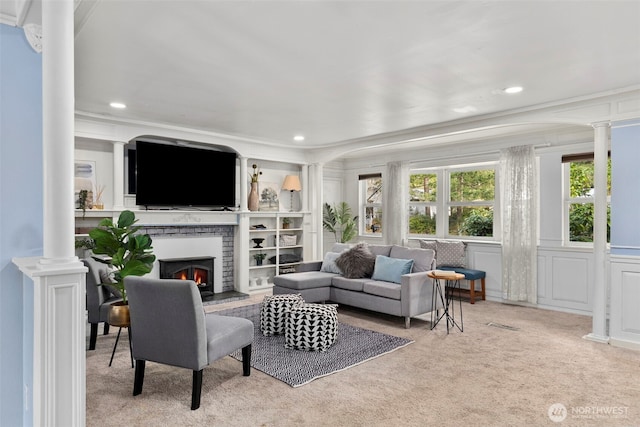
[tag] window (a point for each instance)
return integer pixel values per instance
(471, 200)
(466, 195)
(579, 200)
(371, 204)
(423, 197)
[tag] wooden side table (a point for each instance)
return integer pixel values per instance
(445, 283)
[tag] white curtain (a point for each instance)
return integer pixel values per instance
(519, 199)
(395, 190)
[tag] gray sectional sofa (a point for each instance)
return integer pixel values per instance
(405, 295)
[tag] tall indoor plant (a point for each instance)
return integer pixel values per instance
(339, 220)
(128, 254)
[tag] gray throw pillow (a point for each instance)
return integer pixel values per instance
(329, 263)
(357, 262)
(106, 280)
(451, 253)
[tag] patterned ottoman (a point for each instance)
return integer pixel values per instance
(311, 327)
(272, 312)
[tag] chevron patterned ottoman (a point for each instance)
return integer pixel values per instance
(272, 312)
(311, 327)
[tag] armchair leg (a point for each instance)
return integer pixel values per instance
(197, 387)
(94, 336)
(246, 360)
(138, 378)
(105, 331)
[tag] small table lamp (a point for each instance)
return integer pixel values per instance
(291, 183)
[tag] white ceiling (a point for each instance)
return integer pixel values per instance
(340, 70)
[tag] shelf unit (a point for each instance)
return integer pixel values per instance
(269, 226)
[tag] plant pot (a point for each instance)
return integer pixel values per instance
(119, 314)
(285, 226)
(258, 262)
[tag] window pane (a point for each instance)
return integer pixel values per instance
(471, 221)
(373, 219)
(422, 220)
(472, 186)
(373, 190)
(581, 222)
(581, 178)
(422, 187)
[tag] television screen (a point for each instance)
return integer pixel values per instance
(180, 176)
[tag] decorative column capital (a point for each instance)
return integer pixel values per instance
(33, 33)
(596, 125)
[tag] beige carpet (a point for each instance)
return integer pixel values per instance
(485, 376)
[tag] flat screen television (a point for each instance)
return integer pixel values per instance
(174, 176)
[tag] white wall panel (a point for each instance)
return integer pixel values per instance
(625, 296)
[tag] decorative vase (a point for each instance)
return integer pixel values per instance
(119, 314)
(253, 197)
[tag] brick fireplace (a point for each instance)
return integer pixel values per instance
(191, 241)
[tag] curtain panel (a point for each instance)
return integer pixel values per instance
(519, 201)
(395, 190)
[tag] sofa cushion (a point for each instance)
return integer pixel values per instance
(380, 249)
(422, 258)
(382, 289)
(391, 269)
(348, 284)
(305, 280)
(451, 253)
(357, 262)
(329, 263)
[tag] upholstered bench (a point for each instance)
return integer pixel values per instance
(471, 276)
(273, 310)
(311, 327)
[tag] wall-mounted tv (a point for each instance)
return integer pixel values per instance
(174, 176)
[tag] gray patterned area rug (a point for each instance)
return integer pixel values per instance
(295, 367)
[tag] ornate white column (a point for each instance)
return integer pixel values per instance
(316, 177)
(304, 177)
(118, 175)
(58, 278)
(243, 185)
(600, 285)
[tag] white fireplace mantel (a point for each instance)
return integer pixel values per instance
(169, 216)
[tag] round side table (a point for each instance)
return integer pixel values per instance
(444, 285)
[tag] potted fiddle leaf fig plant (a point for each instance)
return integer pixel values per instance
(127, 254)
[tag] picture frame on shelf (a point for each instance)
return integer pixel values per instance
(269, 196)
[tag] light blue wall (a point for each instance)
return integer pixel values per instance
(625, 181)
(20, 213)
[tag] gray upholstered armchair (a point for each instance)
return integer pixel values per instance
(169, 325)
(99, 298)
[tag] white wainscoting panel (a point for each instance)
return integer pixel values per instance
(488, 258)
(565, 279)
(624, 326)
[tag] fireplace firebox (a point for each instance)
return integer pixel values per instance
(200, 270)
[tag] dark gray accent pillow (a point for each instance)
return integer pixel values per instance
(357, 262)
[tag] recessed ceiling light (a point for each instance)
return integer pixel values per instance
(513, 89)
(466, 109)
(117, 105)
(298, 138)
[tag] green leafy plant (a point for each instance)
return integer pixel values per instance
(83, 195)
(259, 257)
(129, 254)
(339, 220)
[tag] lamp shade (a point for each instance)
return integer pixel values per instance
(291, 183)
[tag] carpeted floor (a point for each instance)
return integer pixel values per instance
(506, 374)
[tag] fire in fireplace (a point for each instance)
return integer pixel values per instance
(200, 270)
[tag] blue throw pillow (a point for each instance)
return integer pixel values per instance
(391, 269)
